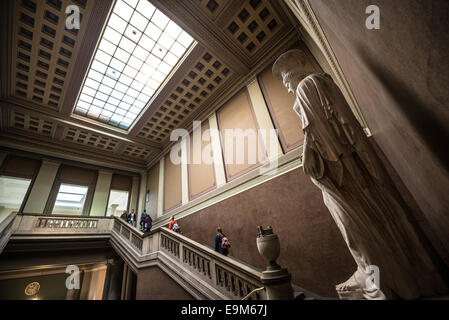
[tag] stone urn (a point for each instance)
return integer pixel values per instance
(269, 247)
(275, 279)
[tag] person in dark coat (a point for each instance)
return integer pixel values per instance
(218, 240)
(143, 219)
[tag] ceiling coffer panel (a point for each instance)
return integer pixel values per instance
(203, 79)
(135, 151)
(254, 24)
(212, 7)
(35, 125)
(43, 50)
(90, 139)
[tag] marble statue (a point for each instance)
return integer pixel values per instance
(375, 225)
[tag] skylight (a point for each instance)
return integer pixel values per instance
(139, 48)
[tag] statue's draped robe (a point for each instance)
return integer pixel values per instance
(373, 223)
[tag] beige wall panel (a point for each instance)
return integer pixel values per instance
(121, 182)
(69, 174)
(236, 114)
(280, 104)
(153, 186)
(201, 171)
(172, 184)
(20, 167)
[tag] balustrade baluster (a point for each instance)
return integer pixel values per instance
(239, 288)
(233, 286)
(226, 279)
(218, 274)
(208, 270)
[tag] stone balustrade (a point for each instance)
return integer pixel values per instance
(214, 275)
(233, 279)
(29, 224)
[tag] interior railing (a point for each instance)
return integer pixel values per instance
(231, 278)
(199, 269)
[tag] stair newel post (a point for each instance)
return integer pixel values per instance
(146, 245)
(277, 280)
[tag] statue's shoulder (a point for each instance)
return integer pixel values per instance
(318, 77)
(314, 80)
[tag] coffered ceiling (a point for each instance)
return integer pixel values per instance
(44, 66)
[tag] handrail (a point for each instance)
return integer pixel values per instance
(253, 293)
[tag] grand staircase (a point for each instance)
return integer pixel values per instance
(198, 269)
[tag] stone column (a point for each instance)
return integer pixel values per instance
(134, 195)
(142, 197)
(42, 187)
(93, 282)
(272, 145)
(113, 284)
(184, 173)
(124, 282)
(160, 194)
(216, 150)
(101, 195)
(130, 285)
(72, 294)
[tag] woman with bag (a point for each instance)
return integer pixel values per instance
(222, 243)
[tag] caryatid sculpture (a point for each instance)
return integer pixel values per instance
(386, 245)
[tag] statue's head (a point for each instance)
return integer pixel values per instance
(290, 67)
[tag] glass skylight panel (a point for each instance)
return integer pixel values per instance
(139, 48)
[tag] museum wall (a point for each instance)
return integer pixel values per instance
(399, 77)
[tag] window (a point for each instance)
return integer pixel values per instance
(70, 199)
(12, 193)
(118, 201)
(139, 48)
